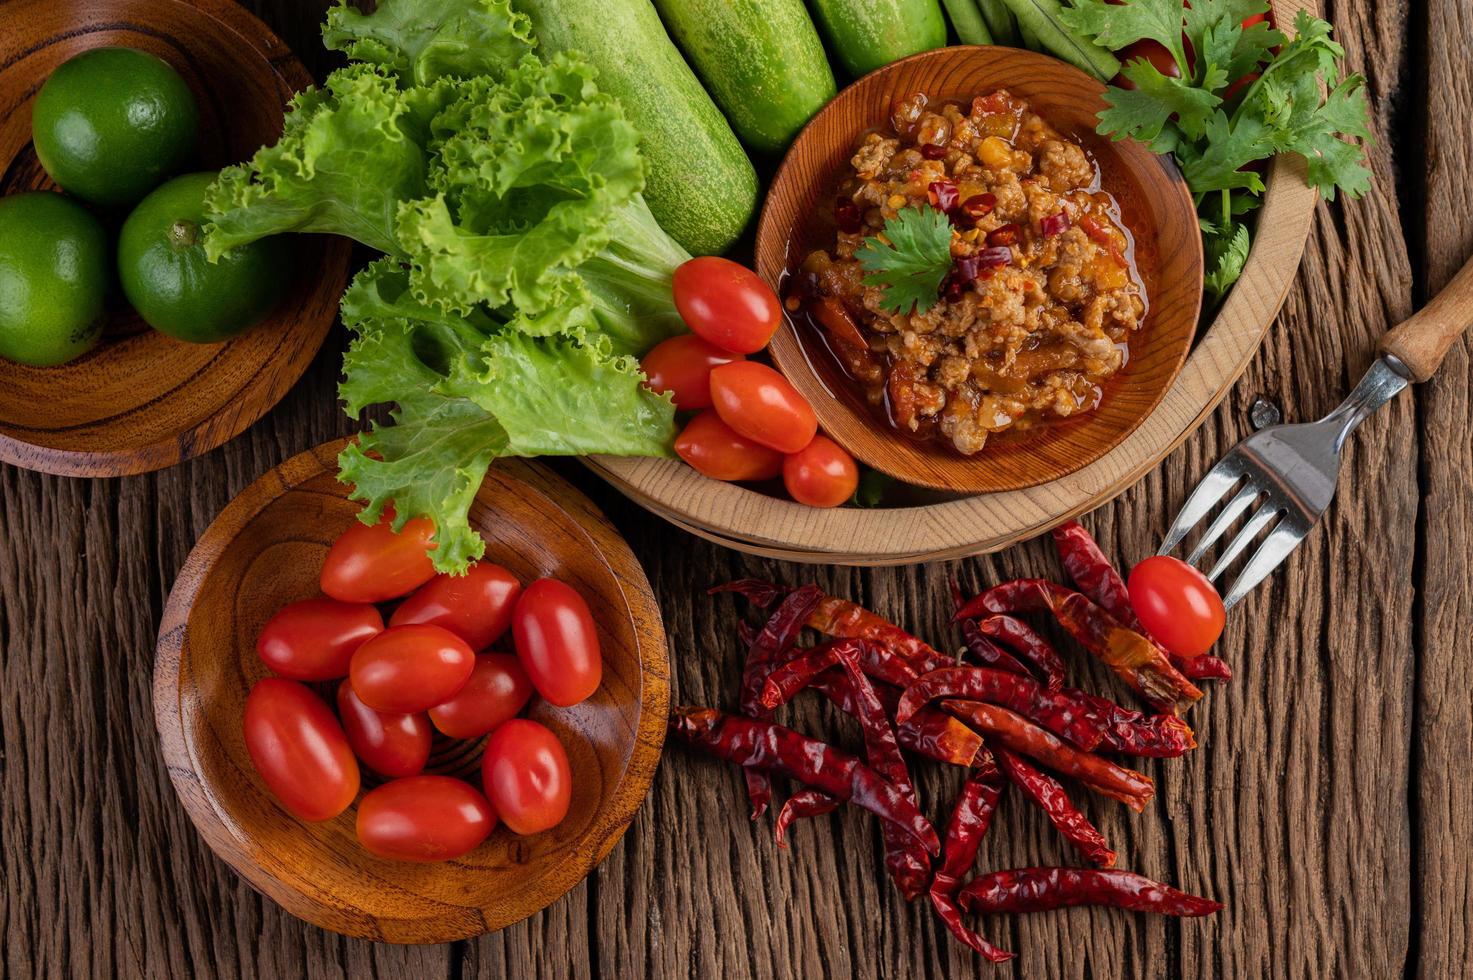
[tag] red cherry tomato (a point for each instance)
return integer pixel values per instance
(475, 606)
(763, 405)
(715, 450)
(410, 668)
(1153, 51)
(682, 366)
(314, 639)
(424, 818)
(557, 643)
(299, 749)
(821, 474)
(726, 303)
(1176, 604)
(391, 744)
(373, 564)
(497, 690)
(1232, 91)
(526, 776)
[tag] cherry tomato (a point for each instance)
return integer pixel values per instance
(410, 668)
(497, 690)
(763, 405)
(1231, 92)
(475, 606)
(391, 744)
(682, 366)
(726, 303)
(424, 818)
(557, 643)
(715, 450)
(526, 776)
(299, 749)
(1153, 51)
(821, 474)
(314, 639)
(1176, 604)
(373, 564)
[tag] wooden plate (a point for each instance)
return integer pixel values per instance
(265, 550)
(140, 400)
(740, 518)
(1154, 202)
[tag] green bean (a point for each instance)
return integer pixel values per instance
(1000, 22)
(967, 21)
(1041, 19)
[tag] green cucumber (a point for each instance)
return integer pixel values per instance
(968, 22)
(1038, 20)
(1000, 22)
(702, 188)
(869, 34)
(761, 61)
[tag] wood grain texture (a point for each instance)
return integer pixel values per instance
(1154, 201)
(1327, 805)
(264, 551)
(141, 400)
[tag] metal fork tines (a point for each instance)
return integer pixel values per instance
(1284, 476)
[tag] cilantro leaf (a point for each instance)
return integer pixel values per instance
(1118, 25)
(911, 267)
(1226, 255)
(1143, 113)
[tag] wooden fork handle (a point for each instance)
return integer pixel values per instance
(1422, 341)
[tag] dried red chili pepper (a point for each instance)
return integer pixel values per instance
(1135, 659)
(804, 803)
(905, 859)
(758, 592)
(1069, 717)
(775, 749)
(1093, 575)
(1023, 639)
(1022, 736)
(980, 646)
(971, 815)
(1042, 889)
(876, 661)
(848, 620)
(1049, 795)
(1132, 732)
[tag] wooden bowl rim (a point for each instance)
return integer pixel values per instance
(742, 519)
(242, 409)
(186, 772)
(888, 451)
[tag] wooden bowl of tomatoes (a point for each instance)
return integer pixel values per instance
(335, 717)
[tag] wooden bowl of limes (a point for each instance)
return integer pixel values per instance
(167, 88)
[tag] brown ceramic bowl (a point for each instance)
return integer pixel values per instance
(139, 400)
(264, 551)
(1154, 201)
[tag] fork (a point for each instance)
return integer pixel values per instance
(1286, 474)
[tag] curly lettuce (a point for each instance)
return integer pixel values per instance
(523, 271)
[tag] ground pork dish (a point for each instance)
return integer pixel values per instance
(1040, 301)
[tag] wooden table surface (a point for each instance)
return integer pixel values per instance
(1326, 806)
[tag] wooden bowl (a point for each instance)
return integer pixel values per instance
(943, 528)
(140, 400)
(265, 550)
(1154, 202)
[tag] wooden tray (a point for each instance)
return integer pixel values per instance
(776, 528)
(265, 550)
(141, 401)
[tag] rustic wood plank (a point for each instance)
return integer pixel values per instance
(1442, 801)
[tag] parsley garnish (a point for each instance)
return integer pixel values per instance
(911, 267)
(1293, 106)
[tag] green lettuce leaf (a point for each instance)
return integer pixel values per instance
(422, 41)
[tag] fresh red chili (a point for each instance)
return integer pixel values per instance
(1022, 638)
(1042, 889)
(1022, 736)
(1093, 575)
(971, 815)
(804, 803)
(905, 859)
(1050, 797)
(1135, 659)
(775, 749)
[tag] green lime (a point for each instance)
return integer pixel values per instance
(111, 123)
(54, 274)
(165, 275)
